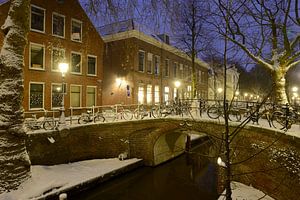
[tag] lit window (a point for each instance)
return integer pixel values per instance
(166, 94)
(37, 18)
(156, 94)
(175, 93)
(76, 34)
(166, 68)
(149, 94)
(92, 62)
(149, 63)
(141, 95)
(76, 63)
(58, 25)
(58, 55)
(141, 61)
(156, 65)
(90, 96)
(37, 52)
(75, 96)
(36, 96)
(189, 91)
(57, 95)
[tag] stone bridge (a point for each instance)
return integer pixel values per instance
(158, 140)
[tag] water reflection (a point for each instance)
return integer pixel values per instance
(186, 177)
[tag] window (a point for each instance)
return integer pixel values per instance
(175, 66)
(166, 68)
(202, 77)
(36, 95)
(166, 94)
(189, 91)
(149, 63)
(190, 73)
(141, 61)
(156, 94)
(175, 93)
(76, 63)
(92, 63)
(75, 96)
(149, 94)
(90, 96)
(57, 95)
(141, 95)
(181, 71)
(156, 65)
(58, 25)
(58, 55)
(76, 30)
(37, 56)
(37, 18)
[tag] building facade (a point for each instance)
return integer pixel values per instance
(60, 31)
(216, 83)
(143, 69)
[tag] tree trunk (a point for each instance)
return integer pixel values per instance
(14, 162)
(280, 84)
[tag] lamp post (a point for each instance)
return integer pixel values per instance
(63, 68)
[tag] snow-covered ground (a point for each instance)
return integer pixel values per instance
(241, 191)
(52, 179)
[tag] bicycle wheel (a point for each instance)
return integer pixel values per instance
(127, 115)
(99, 118)
(137, 114)
(156, 112)
(213, 112)
(234, 116)
(278, 120)
(49, 124)
(82, 120)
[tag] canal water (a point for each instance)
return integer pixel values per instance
(188, 177)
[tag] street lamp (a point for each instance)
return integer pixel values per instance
(295, 89)
(63, 68)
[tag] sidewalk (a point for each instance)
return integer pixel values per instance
(50, 181)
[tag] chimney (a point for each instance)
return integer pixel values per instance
(165, 38)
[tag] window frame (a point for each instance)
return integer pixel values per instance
(71, 68)
(64, 31)
(65, 92)
(80, 97)
(149, 63)
(40, 45)
(86, 95)
(144, 61)
(44, 21)
(81, 27)
(96, 60)
(41, 83)
(52, 63)
(167, 67)
(156, 58)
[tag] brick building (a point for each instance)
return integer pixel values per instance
(60, 31)
(143, 68)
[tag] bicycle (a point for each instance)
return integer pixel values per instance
(89, 117)
(284, 119)
(216, 111)
(44, 122)
(117, 112)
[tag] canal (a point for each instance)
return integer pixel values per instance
(186, 177)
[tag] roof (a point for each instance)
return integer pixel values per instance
(131, 29)
(3, 1)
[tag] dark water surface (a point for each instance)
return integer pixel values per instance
(184, 178)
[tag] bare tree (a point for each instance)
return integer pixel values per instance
(267, 32)
(14, 162)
